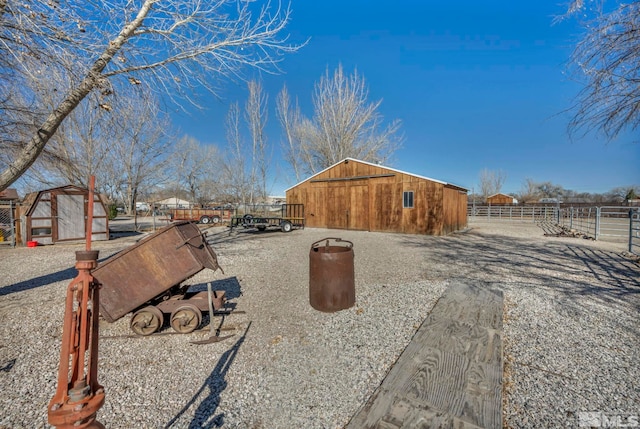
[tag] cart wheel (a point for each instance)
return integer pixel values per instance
(215, 219)
(286, 226)
(146, 321)
(205, 220)
(186, 318)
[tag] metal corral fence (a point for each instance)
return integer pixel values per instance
(634, 231)
(597, 222)
(7, 223)
(532, 213)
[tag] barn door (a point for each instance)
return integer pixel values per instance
(337, 207)
(358, 214)
(70, 216)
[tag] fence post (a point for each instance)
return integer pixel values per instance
(631, 230)
(12, 219)
(598, 213)
(489, 212)
(571, 218)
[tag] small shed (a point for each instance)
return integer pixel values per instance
(359, 195)
(501, 199)
(59, 214)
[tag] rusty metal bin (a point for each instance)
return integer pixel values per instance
(331, 276)
(152, 266)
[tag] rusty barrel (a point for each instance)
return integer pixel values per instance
(331, 275)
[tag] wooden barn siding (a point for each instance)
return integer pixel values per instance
(500, 199)
(375, 204)
(455, 210)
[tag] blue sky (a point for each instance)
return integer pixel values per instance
(476, 85)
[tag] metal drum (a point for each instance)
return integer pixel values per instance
(331, 276)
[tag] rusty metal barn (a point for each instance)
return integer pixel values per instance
(59, 214)
(359, 195)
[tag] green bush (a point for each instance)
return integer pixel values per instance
(113, 211)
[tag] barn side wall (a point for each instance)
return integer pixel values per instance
(360, 196)
(500, 199)
(455, 209)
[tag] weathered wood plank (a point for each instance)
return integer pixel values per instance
(450, 374)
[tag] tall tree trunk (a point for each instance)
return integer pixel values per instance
(36, 145)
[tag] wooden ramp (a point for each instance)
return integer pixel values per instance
(450, 375)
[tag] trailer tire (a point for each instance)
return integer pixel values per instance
(205, 220)
(215, 219)
(146, 321)
(186, 318)
(286, 226)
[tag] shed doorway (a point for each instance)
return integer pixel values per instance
(70, 210)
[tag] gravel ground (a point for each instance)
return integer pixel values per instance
(571, 334)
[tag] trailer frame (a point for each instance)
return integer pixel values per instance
(285, 217)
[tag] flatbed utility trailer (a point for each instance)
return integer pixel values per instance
(285, 217)
(145, 279)
(202, 215)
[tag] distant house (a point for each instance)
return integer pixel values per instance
(9, 194)
(173, 203)
(501, 199)
(275, 199)
(359, 195)
(549, 201)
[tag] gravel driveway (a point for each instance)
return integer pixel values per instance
(571, 330)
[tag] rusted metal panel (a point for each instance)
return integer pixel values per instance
(331, 276)
(151, 267)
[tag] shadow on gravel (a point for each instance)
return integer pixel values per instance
(37, 282)
(45, 280)
(240, 234)
(571, 269)
(205, 415)
(230, 285)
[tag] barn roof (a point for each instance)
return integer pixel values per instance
(381, 166)
(499, 193)
(9, 194)
(31, 198)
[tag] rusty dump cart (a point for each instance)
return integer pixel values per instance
(145, 279)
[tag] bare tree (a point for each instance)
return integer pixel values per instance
(173, 45)
(491, 182)
(81, 147)
(528, 191)
(551, 190)
(193, 165)
(344, 125)
(256, 117)
(291, 122)
(608, 57)
(139, 152)
(234, 171)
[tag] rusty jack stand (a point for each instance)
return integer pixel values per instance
(79, 396)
